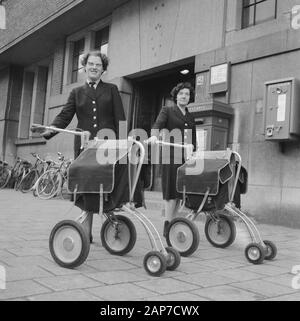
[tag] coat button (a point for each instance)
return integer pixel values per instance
(94, 117)
(95, 125)
(93, 102)
(185, 124)
(94, 109)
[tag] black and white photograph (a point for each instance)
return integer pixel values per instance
(149, 153)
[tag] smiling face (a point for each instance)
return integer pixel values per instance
(94, 68)
(183, 97)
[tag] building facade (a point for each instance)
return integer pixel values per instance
(230, 50)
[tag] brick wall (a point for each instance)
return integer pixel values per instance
(22, 15)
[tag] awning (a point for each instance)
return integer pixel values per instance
(39, 42)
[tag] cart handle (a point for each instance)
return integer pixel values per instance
(85, 135)
(189, 147)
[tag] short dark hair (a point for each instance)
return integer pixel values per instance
(95, 53)
(180, 86)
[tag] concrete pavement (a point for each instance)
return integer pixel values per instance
(209, 274)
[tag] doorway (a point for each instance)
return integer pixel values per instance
(151, 94)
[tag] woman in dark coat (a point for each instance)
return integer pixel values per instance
(98, 106)
(177, 123)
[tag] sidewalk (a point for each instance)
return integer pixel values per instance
(209, 274)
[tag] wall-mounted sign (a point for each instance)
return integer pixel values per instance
(200, 80)
(295, 23)
(219, 76)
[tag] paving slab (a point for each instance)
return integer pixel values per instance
(121, 292)
(68, 282)
(265, 288)
(22, 288)
(227, 293)
(167, 285)
(75, 295)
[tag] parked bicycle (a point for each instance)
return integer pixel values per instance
(29, 180)
(21, 170)
(5, 173)
(50, 184)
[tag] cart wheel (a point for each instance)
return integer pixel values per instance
(155, 263)
(69, 244)
(271, 250)
(183, 235)
(173, 259)
(255, 253)
(220, 232)
(118, 236)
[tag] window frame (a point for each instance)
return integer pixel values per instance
(88, 34)
(254, 5)
(34, 69)
(102, 43)
(76, 58)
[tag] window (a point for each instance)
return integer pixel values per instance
(33, 101)
(101, 40)
(77, 68)
(93, 37)
(258, 11)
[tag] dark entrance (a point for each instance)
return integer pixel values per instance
(151, 93)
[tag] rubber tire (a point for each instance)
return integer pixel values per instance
(262, 253)
(132, 238)
(17, 182)
(232, 228)
(194, 230)
(85, 244)
(55, 186)
(28, 181)
(176, 259)
(273, 248)
(5, 174)
(163, 263)
(39, 190)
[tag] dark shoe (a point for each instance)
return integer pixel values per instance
(166, 225)
(91, 239)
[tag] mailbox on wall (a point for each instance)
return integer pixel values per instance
(282, 109)
(212, 124)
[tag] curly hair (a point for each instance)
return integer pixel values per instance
(95, 53)
(181, 86)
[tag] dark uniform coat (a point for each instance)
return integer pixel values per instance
(170, 118)
(95, 110)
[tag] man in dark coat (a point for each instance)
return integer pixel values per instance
(97, 106)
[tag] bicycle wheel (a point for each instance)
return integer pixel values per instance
(28, 181)
(18, 179)
(5, 174)
(48, 184)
